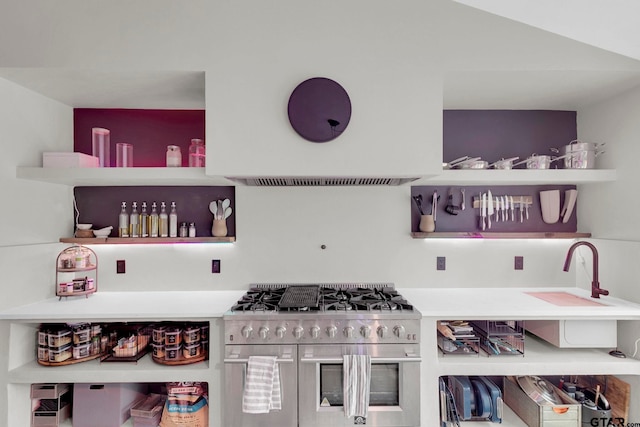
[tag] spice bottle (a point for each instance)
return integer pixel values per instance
(134, 221)
(184, 231)
(163, 221)
(144, 221)
(123, 221)
(173, 221)
(153, 221)
(192, 230)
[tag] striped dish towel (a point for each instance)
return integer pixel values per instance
(262, 387)
(356, 381)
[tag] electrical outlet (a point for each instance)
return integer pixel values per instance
(441, 263)
(215, 266)
(518, 263)
(121, 267)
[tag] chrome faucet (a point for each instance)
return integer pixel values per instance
(595, 285)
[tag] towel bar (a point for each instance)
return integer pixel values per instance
(247, 360)
(373, 359)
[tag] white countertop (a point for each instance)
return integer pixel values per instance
(103, 306)
(512, 303)
(439, 303)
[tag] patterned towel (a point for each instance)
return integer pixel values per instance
(356, 380)
(262, 387)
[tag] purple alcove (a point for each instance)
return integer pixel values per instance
(319, 109)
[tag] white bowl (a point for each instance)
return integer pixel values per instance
(103, 232)
(84, 226)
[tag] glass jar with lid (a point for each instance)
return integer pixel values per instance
(196, 153)
(174, 156)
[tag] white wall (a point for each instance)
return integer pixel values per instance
(610, 211)
(366, 231)
(32, 213)
(279, 231)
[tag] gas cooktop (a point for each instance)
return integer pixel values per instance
(356, 297)
(322, 313)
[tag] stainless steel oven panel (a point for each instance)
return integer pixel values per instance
(235, 368)
(322, 328)
(407, 358)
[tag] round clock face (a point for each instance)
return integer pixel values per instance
(319, 109)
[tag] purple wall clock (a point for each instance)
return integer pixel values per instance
(319, 109)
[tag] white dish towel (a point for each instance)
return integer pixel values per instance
(262, 392)
(356, 381)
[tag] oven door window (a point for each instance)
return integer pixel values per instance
(384, 389)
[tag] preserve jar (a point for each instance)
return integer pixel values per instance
(174, 156)
(196, 153)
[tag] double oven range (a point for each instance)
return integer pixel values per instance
(309, 328)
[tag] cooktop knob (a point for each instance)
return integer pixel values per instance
(263, 332)
(297, 332)
(365, 331)
(383, 331)
(348, 331)
(280, 330)
(246, 332)
(315, 332)
(332, 331)
(399, 331)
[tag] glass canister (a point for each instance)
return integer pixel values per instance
(101, 146)
(196, 153)
(174, 156)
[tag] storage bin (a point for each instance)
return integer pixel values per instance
(571, 333)
(48, 390)
(81, 333)
(148, 412)
(158, 334)
(82, 350)
(105, 405)
(60, 338)
(60, 354)
(51, 404)
(191, 335)
(173, 336)
(191, 351)
(158, 350)
(546, 415)
(172, 352)
(68, 160)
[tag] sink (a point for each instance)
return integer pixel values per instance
(566, 299)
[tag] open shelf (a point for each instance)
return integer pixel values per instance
(144, 370)
(541, 358)
(497, 235)
(121, 176)
(519, 177)
(144, 240)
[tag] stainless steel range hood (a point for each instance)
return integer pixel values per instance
(284, 181)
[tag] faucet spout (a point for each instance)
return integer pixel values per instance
(595, 284)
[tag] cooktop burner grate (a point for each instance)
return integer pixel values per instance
(300, 297)
(315, 297)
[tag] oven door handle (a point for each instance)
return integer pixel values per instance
(234, 360)
(373, 359)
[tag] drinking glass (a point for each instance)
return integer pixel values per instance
(124, 155)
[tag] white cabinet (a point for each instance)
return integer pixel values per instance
(540, 357)
(19, 326)
(588, 333)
